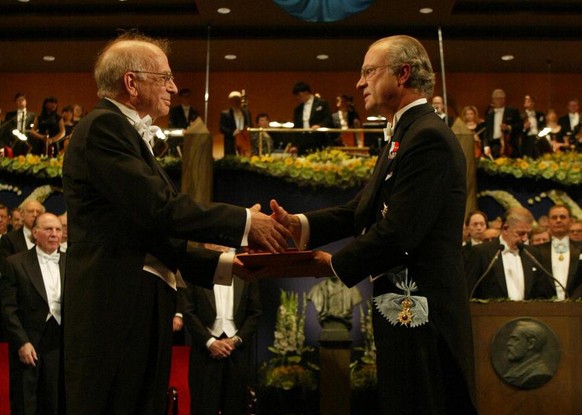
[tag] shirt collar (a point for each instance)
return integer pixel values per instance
(130, 113)
(401, 111)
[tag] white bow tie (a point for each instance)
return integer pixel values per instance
(46, 258)
(388, 132)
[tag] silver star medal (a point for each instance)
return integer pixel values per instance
(384, 211)
(403, 309)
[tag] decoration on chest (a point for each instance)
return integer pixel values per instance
(384, 211)
(403, 309)
(393, 150)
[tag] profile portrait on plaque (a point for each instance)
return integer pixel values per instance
(525, 353)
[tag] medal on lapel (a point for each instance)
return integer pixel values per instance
(393, 150)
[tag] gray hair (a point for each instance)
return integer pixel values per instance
(116, 59)
(407, 50)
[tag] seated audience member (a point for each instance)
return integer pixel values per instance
(491, 234)
(15, 219)
(560, 256)
(543, 222)
(504, 268)
(261, 140)
(496, 223)
(476, 223)
(20, 119)
(539, 235)
(576, 231)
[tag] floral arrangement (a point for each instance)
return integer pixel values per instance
(563, 168)
(288, 369)
(325, 168)
(42, 167)
(363, 371)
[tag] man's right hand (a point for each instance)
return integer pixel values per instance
(27, 354)
(289, 221)
(266, 232)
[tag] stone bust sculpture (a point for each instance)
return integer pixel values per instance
(334, 303)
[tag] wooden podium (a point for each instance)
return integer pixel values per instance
(563, 393)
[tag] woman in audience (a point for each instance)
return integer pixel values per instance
(48, 129)
(78, 113)
(556, 136)
(470, 116)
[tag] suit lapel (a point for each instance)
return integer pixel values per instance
(528, 275)
(499, 271)
(211, 299)
(32, 269)
(573, 267)
(238, 289)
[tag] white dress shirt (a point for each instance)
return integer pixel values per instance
(514, 276)
(307, 111)
(51, 276)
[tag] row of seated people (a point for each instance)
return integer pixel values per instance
(503, 263)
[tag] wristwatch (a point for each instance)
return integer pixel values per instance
(236, 340)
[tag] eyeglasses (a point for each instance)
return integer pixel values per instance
(368, 72)
(165, 76)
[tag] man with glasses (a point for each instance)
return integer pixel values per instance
(502, 268)
(128, 237)
(413, 255)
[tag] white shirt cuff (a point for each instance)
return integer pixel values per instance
(210, 341)
(245, 238)
(304, 238)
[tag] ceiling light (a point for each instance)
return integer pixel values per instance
(230, 57)
(24, 1)
(48, 58)
(223, 10)
(426, 10)
(507, 57)
(322, 57)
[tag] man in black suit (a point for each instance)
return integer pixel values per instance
(312, 113)
(502, 268)
(400, 245)
(223, 322)
(183, 114)
(20, 119)
(533, 122)
(128, 233)
(503, 126)
(571, 120)
(233, 122)
(561, 256)
(20, 240)
(31, 311)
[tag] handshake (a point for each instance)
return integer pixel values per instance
(271, 233)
